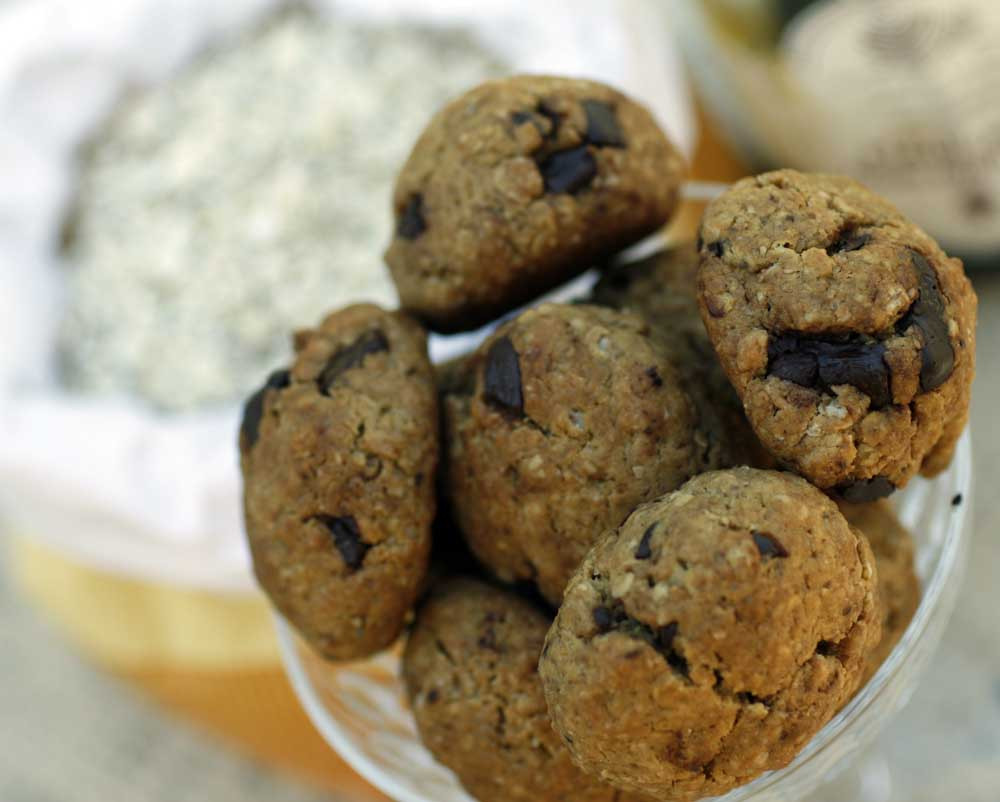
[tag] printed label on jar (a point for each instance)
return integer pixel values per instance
(905, 96)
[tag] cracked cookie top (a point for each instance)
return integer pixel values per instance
(848, 333)
(518, 185)
(339, 455)
(574, 415)
(710, 636)
(471, 673)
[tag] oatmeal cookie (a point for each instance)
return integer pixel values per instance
(708, 638)
(518, 185)
(576, 416)
(471, 673)
(847, 332)
(339, 456)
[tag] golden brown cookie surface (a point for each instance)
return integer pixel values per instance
(577, 414)
(339, 456)
(471, 673)
(847, 332)
(518, 185)
(710, 636)
(662, 289)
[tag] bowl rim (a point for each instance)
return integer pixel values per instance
(947, 565)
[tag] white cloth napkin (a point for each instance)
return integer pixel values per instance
(107, 479)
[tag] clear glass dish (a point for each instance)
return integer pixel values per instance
(362, 712)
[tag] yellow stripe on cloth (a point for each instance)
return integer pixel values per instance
(210, 658)
(127, 623)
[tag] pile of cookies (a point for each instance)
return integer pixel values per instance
(637, 540)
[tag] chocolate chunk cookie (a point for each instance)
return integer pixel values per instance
(518, 185)
(898, 586)
(471, 672)
(577, 414)
(847, 332)
(339, 457)
(712, 635)
(662, 288)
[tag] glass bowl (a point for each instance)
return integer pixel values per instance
(362, 712)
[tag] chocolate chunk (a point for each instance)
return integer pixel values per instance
(798, 368)
(665, 635)
(956, 500)
(821, 364)
(502, 382)
(411, 222)
(603, 129)
(433, 695)
(353, 356)
(665, 645)
(718, 247)
(866, 489)
(346, 537)
(768, 545)
(643, 551)
(677, 662)
(937, 357)
(603, 618)
(848, 240)
(654, 376)
(253, 410)
(861, 365)
(568, 170)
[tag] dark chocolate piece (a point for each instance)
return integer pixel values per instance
(411, 222)
(603, 129)
(643, 551)
(664, 643)
(866, 489)
(717, 248)
(603, 618)
(826, 648)
(661, 639)
(928, 314)
(347, 538)
(849, 240)
(502, 381)
(768, 545)
(568, 170)
(253, 409)
(353, 356)
(821, 364)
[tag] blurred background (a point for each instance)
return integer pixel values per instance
(187, 181)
